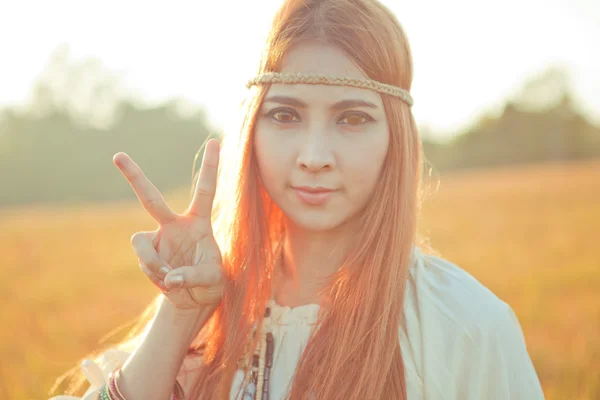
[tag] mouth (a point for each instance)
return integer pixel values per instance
(313, 195)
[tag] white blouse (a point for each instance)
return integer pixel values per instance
(461, 342)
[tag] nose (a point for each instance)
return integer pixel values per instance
(316, 153)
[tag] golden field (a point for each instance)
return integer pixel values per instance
(531, 234)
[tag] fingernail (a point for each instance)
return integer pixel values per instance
(162, 286)
(174, 280)
(164, 270)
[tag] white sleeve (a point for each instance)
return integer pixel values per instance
(96, 372)
(504, 369)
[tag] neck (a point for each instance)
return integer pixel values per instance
(309, 258)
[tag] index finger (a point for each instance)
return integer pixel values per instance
(146, 192)
(206, 185)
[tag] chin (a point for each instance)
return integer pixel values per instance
(317, 221)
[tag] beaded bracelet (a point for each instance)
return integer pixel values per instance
(111, 391)
(105, 394)
(113, 388)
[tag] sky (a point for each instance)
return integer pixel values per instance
(469, 56)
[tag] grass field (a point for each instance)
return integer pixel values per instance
(531, 234)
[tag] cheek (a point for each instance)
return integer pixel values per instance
(271, 157)
(363, 165)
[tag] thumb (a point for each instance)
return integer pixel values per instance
(189, 277)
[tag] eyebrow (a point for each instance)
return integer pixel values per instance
(340, 105)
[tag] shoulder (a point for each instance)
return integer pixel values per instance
(446, 291)
(461, 340)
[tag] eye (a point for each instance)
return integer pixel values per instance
(283, 115)
(354, 119)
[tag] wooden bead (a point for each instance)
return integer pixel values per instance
(270, 346)
(261, 367)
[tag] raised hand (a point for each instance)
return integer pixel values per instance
(181, 256)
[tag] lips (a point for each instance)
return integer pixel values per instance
(310, 189)
(313, 195)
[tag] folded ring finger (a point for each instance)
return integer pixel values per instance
(152, 276)
(144, 249)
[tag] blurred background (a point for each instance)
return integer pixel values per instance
(507, 98)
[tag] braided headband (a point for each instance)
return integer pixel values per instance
(317, 79)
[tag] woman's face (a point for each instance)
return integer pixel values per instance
(320, 148)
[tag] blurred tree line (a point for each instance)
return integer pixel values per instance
(59, 147)
(540, 124)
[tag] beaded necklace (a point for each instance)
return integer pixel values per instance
(257, 387)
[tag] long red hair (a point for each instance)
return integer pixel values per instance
(355, 352)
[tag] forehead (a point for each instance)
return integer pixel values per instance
(326, 59)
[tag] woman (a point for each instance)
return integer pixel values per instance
(311, 240)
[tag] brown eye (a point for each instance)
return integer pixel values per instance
(355, 119)
(284, 116)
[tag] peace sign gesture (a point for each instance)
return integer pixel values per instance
(181, 256)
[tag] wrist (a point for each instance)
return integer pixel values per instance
(193, 318)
